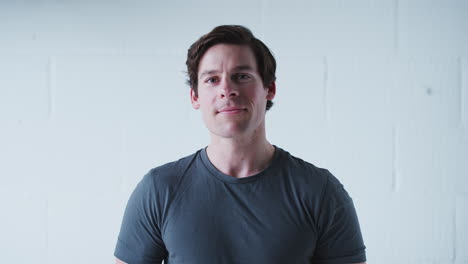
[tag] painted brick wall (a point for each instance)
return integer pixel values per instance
(92, 96)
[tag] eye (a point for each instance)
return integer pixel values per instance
(243, 76)
(211, 80)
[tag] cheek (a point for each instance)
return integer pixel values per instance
(257, 95)
(207, 103)
(207, 96)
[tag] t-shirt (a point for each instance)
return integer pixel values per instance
(188, 211)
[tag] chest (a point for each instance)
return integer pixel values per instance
(239, 225)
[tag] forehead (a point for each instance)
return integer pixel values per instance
(227, 56)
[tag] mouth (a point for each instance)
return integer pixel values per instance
(231, 110)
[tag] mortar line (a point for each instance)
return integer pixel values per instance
(50, 88)
(454, 252)
(264, 8)
(47, 230)
(462, 88)
(395, 179)
(123, 161)
(395, 25)
(325, 88)
(49, 110)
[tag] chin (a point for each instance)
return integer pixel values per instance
(231, 131)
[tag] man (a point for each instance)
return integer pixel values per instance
(240, 199)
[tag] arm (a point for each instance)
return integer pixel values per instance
(140, 240)
(118, 261)
(340, 239)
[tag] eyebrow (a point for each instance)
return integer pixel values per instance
(207, 73)
(244, 68)
(237, 68)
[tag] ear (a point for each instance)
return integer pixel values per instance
(194, 100)
(271, 91)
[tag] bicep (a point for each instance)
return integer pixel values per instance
(339, 234)
(140, 238)
(118, 261)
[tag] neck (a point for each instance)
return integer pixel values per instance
(241, 157)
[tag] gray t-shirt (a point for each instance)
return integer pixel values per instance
(188, 211)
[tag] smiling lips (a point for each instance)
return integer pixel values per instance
(231, 110)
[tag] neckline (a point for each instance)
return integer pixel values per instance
(230, 179)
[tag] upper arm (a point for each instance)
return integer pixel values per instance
(140, 238)
(118, 261)
(339, 236)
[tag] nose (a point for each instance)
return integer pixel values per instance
(228, 89)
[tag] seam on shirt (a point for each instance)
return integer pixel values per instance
(133, 256)
(277, 156)
(173, 199)
(324, 192)
(153, 206)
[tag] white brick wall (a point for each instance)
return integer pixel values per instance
(92, 95)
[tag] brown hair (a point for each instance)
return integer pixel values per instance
(237, 35)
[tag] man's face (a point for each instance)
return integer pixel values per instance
(231, 94)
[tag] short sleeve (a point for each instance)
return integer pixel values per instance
(139, 240)
(340, 239)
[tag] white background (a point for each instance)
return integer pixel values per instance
(93, 95)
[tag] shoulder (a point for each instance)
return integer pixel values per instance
(305, 170)
(315, 178)
(168, 176)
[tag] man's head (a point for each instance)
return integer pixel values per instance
(236, 35)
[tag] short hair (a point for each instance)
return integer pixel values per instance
(237, 35)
